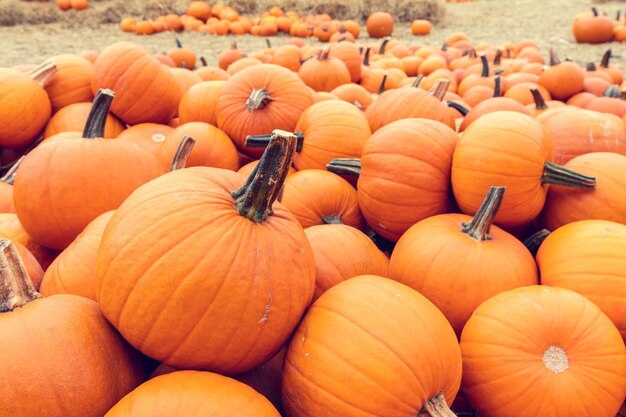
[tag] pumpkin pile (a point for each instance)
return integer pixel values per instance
(592, 27)
(332, 229)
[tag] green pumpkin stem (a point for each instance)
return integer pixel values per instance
(606, 58)
(96, 121)
(334, 219)
(345, 166)
(436, 407)
(458, 107)
(497, 87)
(261, 141)
(534, 241)
(182, 153)
(255, 199)
(480, 225)
(9, 176)
(258, 99)
(556, 174)
(540, 103)
(43, 73)
(16, 288)
(485, 61)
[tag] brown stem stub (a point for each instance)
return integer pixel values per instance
(480, 225)
(258, 99)
(554, 57)
(182, 153)
(96, 121)
(16, 288)
(418, 81)
(440, 89)
(324, 53)
(43, 73)
(345, 166)
(334, 219)
(534, 241)
(436, 407)
(606, 58)
(540, 103)
(255, 198)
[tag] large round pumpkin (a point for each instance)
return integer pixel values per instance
(59, 354)
(539, 351)
(452, 254)
(189, 255)
(258, 100)
(65, 182)
(193, 393)
(146, 90)
(371, 347)
(588, 257)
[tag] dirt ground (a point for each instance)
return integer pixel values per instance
(548, 22)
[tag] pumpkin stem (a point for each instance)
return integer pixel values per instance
(622, 94)
(383, 46)
(254, 200)
(323, 55)
(535, 240)
(182, 153)
(418, 81)
(440, 89)
(485, 61)
(436, 407)
(497, 87)
(458, 107)
(591, 66)
(203, 61)
(178, 43)
(480, 225)
(96, 121)
(618, 16)
(612, 91)
(9, 176)
(345, 166)
(498, 58)
(554, 57)
(261, 141)
(16, 288)
(472, 53)
(606, 58)
(594, 11)
(358, 105)
(366, 57)
(381, 89)
(334, 219)
(268, 43)
(258, 99)
(444, 47)
(540, 103)
(43, 73)
(555, 174)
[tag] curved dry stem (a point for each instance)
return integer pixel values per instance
(182, 153)
(261, 141)
(96, 121)
(43, 73)
(480, 225)
(258, 99)
(345, 166)
(440, 89)
(458, 107)
(436, 407)
(16, 288)
(540, 103)
(534, 241)
(556, 174)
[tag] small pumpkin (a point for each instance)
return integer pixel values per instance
(593, 28)
(562, 79)
(379, 25)
(324, 73)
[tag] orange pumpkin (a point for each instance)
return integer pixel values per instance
(562, 79)
(593, 28)
(354, 94)
(192, 392)
(71, 83)
(420, 27)
(74, 270)
(513, 150)
(287, 56)
(379, 25)
(215, 266)
(320, 197)
(259, 99)
(149, 136)
(66, 182)
(182, 57)
(11, 228)
(492, 105)
(342, 252)
(391, 334)
(124, 68)
(73, 117)
(551, 342)
(350, 55)
(77, 357)
(451, 254)
(199, 9)
(200, 102)
(324, 73)
(228, 56)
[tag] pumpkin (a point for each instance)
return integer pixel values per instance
(230, 55)
(483, 78)
(186, 393)
(11, 228)
(199, 103)
(522, 92)
(606, 202)
(79, 4)
(527, 353)
(451, 254)
(420, 27)
(320, 197)
(266, 379)
(287, 56)
(562, 79)
(593, 28)
(576, 132)
(540, 105)
(404, 174)
(71, 83)
(379, 25)
(242, 64)
(34, 270)
(342, 252)
(492, 105)
(354, 94)
(350, 55)
(259, 99)
(208, 73)
(396, 349)
(73, 117)
(515, 151)
(76, 357)
(212, 148)
(74, 270)
(199, 9)
(614, 72)
(404, 103)
(326, 130)
(24, 106)
(324, 73)
(126, 68)
(66, 182)
(149, 136)
(237, 242)
(182, 57)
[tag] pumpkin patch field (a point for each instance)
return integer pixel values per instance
(312, 209)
